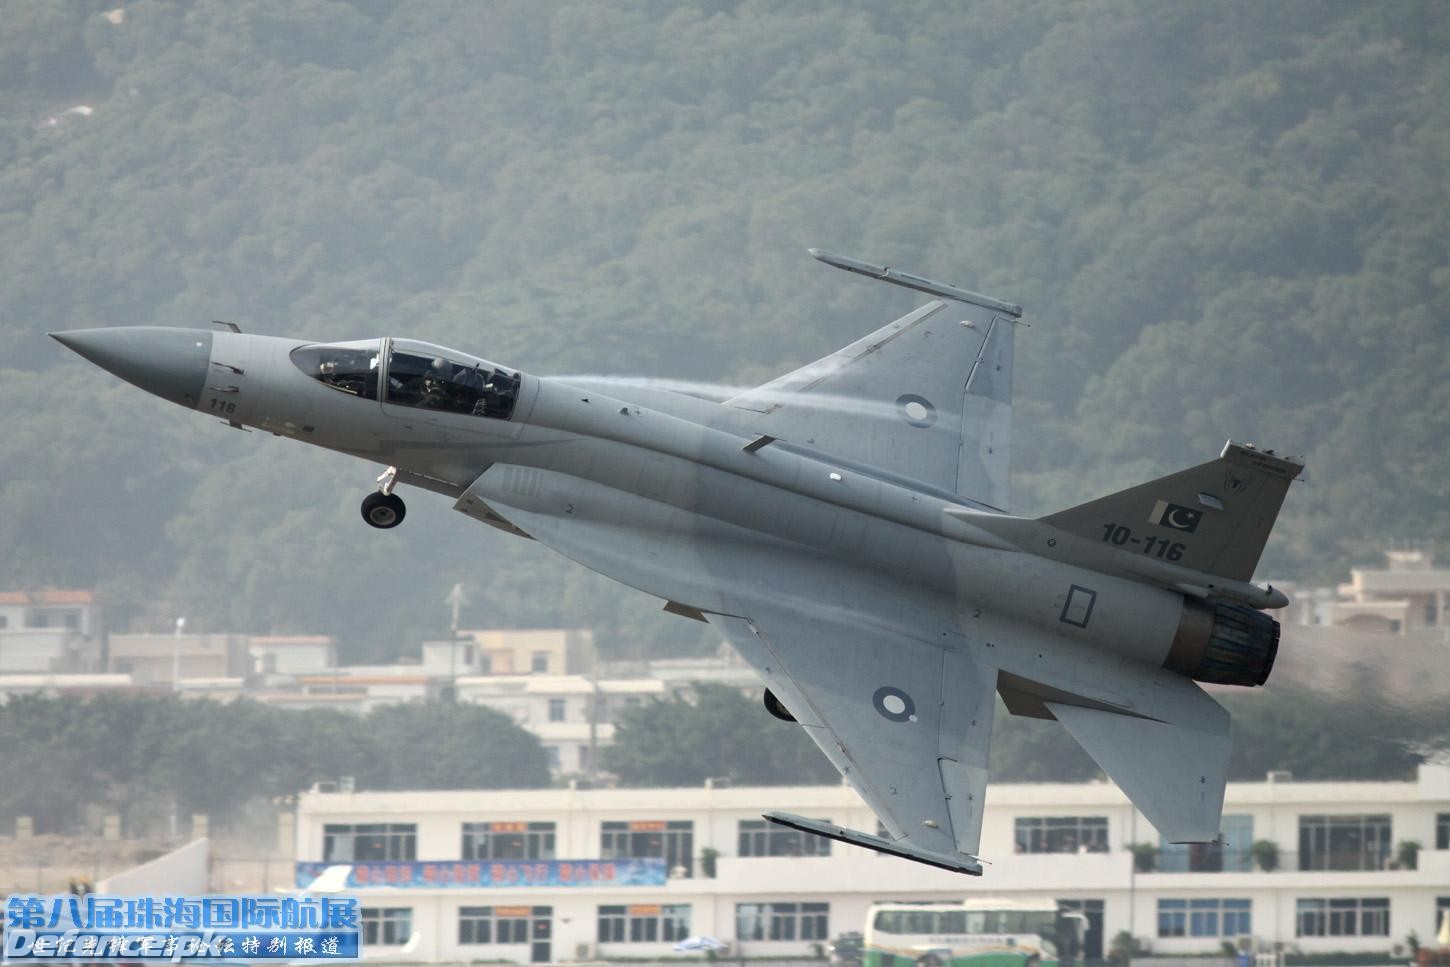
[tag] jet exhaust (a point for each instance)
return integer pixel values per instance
(1223, 643)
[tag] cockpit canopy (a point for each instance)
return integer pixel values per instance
(348, 366)
(417, 374)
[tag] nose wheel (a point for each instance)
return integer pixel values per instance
(384, 509)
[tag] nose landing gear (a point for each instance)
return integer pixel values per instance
(384, 509)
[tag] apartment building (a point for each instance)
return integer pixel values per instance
(566, 874)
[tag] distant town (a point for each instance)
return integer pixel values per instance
(587, 872)
(550, 681)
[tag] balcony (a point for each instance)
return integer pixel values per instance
(1409, 867)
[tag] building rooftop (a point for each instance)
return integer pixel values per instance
(276, 641)
(47, 597)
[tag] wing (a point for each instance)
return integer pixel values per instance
(908, 724)
(928, 396)
(907, 721)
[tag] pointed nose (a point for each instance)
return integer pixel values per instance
(172, 363)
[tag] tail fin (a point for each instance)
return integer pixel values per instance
(1214, 517)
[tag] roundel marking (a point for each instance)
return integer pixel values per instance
(893, 704)
(916, 410)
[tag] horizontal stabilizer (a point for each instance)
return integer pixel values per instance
(956, 863)
(1173, 771)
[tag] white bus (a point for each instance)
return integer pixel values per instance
(972, 933)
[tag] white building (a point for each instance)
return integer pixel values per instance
(68, 686)
(573, 716)
(708, 865)
(362, 688)
(165, 658)
(292, 654)
(50, 632)
(1408, 594)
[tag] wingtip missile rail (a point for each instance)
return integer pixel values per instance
(960, 863)
(945, 290)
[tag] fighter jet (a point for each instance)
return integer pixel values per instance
(844, 526)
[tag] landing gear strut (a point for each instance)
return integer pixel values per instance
(384, 509)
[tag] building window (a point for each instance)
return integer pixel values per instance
(369, 842)
(1062, 834)
(644, 923)
(539, 662)
(386, 926)
(1349, 842)
(1172, 918)
(760, 838)
(556, 710)
(493, 925)
(551, 752)
(1442, 831)
(508, 841)
(1343, 917)
(1431, 612)
(4, 621)
(1232, 852)
(781, 921)
(1204, 918)
(673, 841)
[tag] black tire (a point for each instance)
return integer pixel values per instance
(383, 510)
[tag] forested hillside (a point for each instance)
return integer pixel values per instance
(1224, 219)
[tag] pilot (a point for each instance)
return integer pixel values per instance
(435, 382)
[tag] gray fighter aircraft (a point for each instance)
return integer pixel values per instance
(845, 527)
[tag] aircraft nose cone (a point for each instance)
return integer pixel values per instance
(172, 363)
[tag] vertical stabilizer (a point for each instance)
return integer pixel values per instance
(1214, 517)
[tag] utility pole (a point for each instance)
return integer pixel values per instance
(457, 598)
(594, 709)
(176, 655)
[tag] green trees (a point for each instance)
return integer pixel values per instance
(144, 758)
(719, 732)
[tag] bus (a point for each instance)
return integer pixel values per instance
(972, 933)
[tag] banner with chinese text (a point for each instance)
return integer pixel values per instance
(494, 873)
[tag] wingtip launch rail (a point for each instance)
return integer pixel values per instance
(961, 863)
(907, 280)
